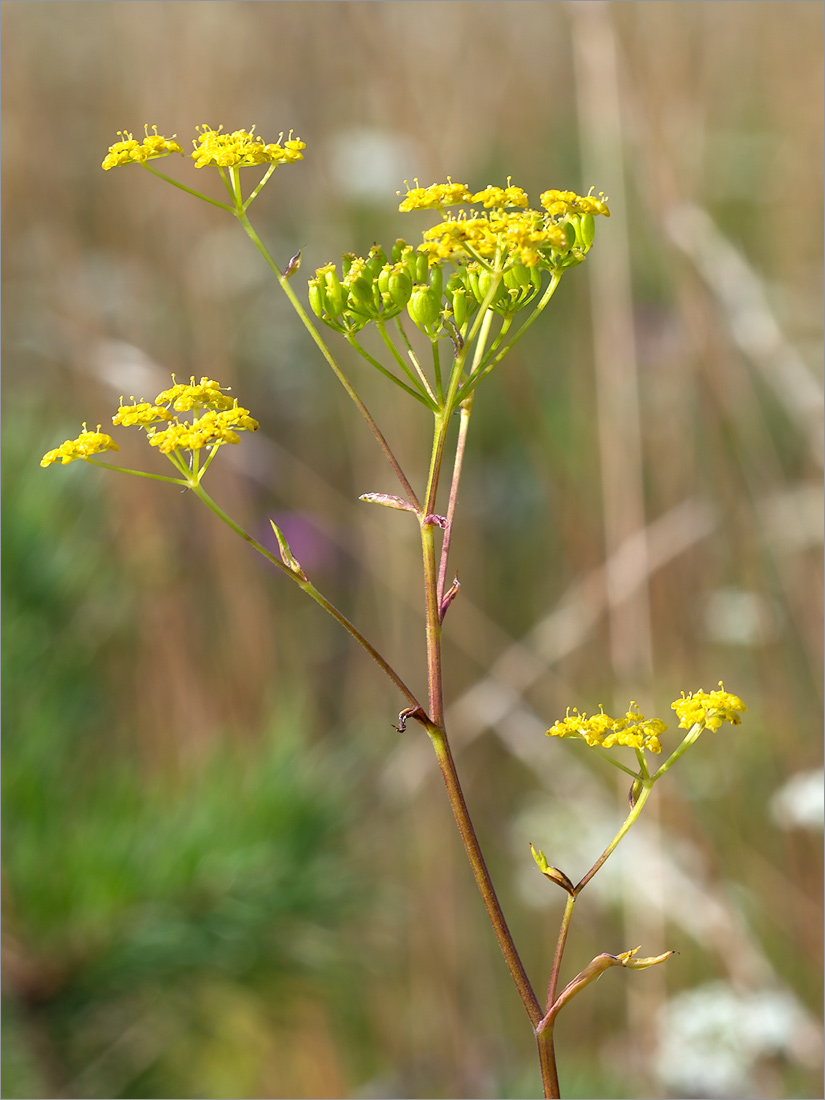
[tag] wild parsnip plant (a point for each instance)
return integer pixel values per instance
(480, 278)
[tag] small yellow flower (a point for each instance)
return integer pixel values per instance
(210, 430)
(207, 394)
(139, 413)
(502, 196)
(243, 149)
(558, 203)
(87, 444)
(130, 151)
(634, 730)
(514, 236)
(435, 197)
(708, 708)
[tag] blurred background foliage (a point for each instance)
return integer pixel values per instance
(224, 874)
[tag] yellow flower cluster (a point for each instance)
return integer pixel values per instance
(558, 203)
(130, 151)
(708, 708)
(435, 197)
(439, 195)
(142, 413)
(502, 196)
(212, 147)
(634, 730)
(220, 423)
(243, 148)
(557, 237)
(87, 444)
(207, 394)
(515, 236)
(210, 430)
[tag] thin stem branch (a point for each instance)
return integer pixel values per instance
(687, 741)
(420, 381)
(553, 984)
(413, 357)
(138, 473)
(260, 186)
(328, 356)
(606, 755)
(644, 794)
(373, 362)
(437, 371)
(310, 589)
(463, 427)
(471, 383)
(188, 190)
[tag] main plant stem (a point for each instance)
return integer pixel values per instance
(434, 577)
(441, 745)
(438, 736)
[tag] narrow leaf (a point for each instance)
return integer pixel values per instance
(553, 873)
(388, 501)
(287, 557)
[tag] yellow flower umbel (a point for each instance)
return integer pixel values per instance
(708, 709)
(502, 196)
(601, 732)
(87, 444)
(181, 440)
(696, 711)
(500, 237)
(560, 203)
(220, 421)
(140, 414)
(226, 152)
(207, 394)
(243, 149)
(634, 730)
(210, 430)
(130, 151)
(435, 197)
(499, 250)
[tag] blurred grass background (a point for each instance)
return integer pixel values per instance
(224, 874)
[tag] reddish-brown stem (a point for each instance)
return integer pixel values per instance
(464, 423)
(433, 624)
(482, 875)
(560, 945)
(433, 589)
(547, 1061)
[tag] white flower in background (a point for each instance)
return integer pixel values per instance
(711, 1038)
(800, 803)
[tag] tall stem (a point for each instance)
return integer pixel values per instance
(482, 875)
(438, 736)
(433, 624)
(547, 1062)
